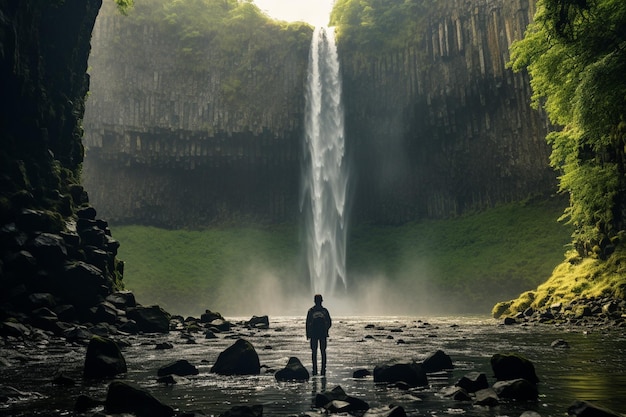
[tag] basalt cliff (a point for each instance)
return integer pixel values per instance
(181, 134)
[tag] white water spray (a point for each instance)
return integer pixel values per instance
(325, 176)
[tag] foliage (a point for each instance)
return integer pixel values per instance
(377, 25)
(507, 249)
(575, 52)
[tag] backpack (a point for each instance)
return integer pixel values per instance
(319, 323)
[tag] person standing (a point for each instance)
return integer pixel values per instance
(318, 322)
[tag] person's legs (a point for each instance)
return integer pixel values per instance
(314, 354)
(323, 350)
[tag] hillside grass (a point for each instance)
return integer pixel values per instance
(465, 264)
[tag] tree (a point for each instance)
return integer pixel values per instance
(575, 52)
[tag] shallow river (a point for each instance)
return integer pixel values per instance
(594, 368)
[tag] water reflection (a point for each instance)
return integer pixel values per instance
(594, 368)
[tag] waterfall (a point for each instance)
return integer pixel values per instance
(325, 173)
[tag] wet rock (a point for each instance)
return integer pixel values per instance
(86, 213)
(210, 316)
(39, 300)
(14, 329)
(262, 322)
(508, 321)
(294, 371)
(560, 344)
(104, 359)
(516, 389)
(125, 398)
(588, 409)
(390, 411)
(49, 249)
(210, 335)
(220, 325)
(486, 397)
(411, 373)
(151, 319)
(167, 380)
(106, 313)
(181, 367)
(244, 411)
(78, 334)
(164, 346)
(436, 362)
(510, 366)
(83, 284)
(530, 414)
(361, 373)
(239, 359)
(337, 401)
(456, 393)
(63, 380)
(473, 381)
(122, 299)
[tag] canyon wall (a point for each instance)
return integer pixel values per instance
(435, 128)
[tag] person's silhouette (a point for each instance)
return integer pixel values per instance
(318, 322)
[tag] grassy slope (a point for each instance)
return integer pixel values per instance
(479, 259)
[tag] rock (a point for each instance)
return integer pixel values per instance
(262, 322)
(167, 380)
(411, 373)
(516, 389)
(337, 401)
(125, 398)
(530, 414)
(238, 359)
(294, 371)
(86, 213)
(164, 346)
(122, 299)
(49, 249)
(63, 380)
(510, 366)
(83, 285)
(181, 368)
(244, 411)
(361, 373)
(220, 325)
(210, 335)
(436, 362)
(508, 321)
(106, 313)
(150, 319)
(560, 344)
(473, 381)
(9, 328)
(487, 397)
(38, 300)
(210, 316)
(390, 411)
(588, 409)
(103, 359)
(456, 393)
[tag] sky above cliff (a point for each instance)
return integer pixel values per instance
(315, 12)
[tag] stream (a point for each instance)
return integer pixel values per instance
(593, 368)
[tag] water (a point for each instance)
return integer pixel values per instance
(325, 173)
(594, 368)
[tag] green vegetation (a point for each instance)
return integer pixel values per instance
(507, 250)
(575, 52)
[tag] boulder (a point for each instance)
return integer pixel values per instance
(390, 411)
(262, 322)
(220, 325)
(560, 344)
(588, 409)
(436, 362)
(294, 371)
(410, 373)
(150, 319)
(181, 367)
(337, 401)
(82, 284)
(103, 359)
(239, 359)
(84, 403)
(244, 411)
(456, 393)
(49, 249)
(361, 373)
(516, 389)
(122, 299)
(473, 381)
(209, 316)
(510, 366)
(487, 397)
(125, 398)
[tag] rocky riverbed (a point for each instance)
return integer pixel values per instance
(43, 374)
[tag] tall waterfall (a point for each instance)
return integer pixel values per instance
(325, 175)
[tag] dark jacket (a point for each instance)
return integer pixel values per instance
(311, 331)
